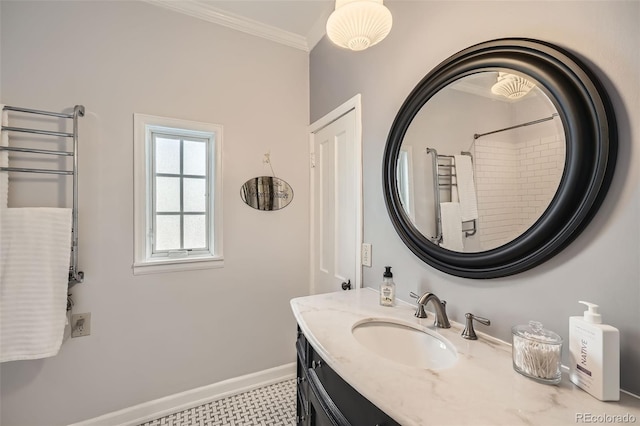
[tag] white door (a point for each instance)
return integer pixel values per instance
(336, 211)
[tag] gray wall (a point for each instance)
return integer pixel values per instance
(603, 264)
(155, 335)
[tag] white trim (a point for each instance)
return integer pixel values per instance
(353, 104)
(176, 265)
(410, 206)
(161, 407)
(230, 20)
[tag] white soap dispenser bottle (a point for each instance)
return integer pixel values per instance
(387, 288)
(594, 355)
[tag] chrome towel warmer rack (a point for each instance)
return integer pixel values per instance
(444, 178)
(75, 276)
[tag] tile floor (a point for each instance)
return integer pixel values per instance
(273, 405)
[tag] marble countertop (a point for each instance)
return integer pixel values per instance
(480, 389)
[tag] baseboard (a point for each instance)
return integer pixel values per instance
(192, 398)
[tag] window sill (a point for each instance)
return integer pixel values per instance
(175, 265)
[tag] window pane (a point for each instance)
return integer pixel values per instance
(195, 231)
(195, 158)
(167, 194)
(195, 195)
(167, 232)
(167, 153)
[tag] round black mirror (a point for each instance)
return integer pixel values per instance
(574, 108)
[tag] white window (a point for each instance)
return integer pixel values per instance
(178, 193)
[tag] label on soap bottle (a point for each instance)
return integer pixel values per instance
(585, 355)
(387, 296)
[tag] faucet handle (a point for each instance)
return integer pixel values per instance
(420, 312)
(469, 332)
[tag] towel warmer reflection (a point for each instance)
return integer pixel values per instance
(75, 276)
(445, 179)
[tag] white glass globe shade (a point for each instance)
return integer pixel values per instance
(511, 86)
(359, 24)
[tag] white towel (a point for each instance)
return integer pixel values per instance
(466, 188)
(4, 160)
(451, 226)
(34, 271)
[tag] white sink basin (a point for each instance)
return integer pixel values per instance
(405, 344)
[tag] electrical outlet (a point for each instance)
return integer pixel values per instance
(366, 254)
(81, 324)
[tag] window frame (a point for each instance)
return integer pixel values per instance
(154, 133)
(146, 258)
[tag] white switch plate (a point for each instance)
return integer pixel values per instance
(366, 254)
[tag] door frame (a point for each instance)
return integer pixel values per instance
(353, 104)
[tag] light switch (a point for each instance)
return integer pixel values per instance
(366, 254)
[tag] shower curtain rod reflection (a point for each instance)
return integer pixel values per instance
(542, 120)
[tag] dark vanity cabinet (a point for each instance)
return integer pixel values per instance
(324, 398)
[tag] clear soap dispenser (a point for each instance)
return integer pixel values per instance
(387, 288)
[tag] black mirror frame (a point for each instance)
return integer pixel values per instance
(591, 150)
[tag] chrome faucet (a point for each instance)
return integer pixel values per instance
(441, 321)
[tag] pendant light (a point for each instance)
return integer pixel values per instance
(359, 24)
(511, 86)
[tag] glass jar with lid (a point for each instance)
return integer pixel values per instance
(537, 353)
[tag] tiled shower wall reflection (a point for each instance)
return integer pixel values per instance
(515, 183)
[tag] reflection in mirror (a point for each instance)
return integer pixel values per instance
(481, 161)
(405, 180)
(266, 193)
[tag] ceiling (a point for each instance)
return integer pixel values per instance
(295, 23)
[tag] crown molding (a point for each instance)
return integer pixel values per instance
(236, 22)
